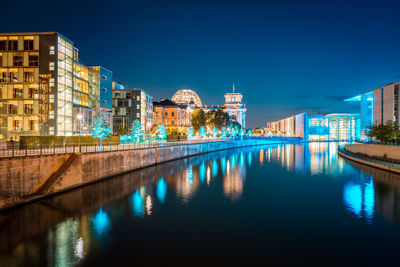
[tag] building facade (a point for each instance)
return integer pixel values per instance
(235, 108)
(175, 117)
(334, 126)
(378, 106)
(40, 85)
(129, 105)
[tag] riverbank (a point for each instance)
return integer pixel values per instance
(27, 179)
(379, 156)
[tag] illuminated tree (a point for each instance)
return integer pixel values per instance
(198, 119)
(162, 132)
(190, 132)
(136, 131)
(203, 132)
(215, 131)
(242, 132)
(249, 133)
(100, 128)
(224, 132)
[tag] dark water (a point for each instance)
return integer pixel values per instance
(282, 204)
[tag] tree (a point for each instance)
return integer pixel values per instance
(190, 132)
(242, 132)
(224, 132)
(234, 128)
(384, 132)
(136, 131)
(215, 131)
(217, 118)
(100, 128)
(198, 119)
(203, 132)
(249, 133)
(162, 132)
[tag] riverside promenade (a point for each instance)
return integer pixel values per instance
(385, 157)
(25, 177)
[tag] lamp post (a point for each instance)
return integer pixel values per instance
(79, 117)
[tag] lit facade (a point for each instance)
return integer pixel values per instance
(378, 106)
(187, 96)
(40, 85)
(235, 107)
(335, 126)
(174, 116)
(129, 105)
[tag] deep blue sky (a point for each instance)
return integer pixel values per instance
(286, 57)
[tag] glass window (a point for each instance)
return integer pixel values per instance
(12, 108)
(104, 77)
(104, 89)
(3, 75)
(17, 60)
(15, 125)
(33, 60)
(51, 50)
(13, 45)
(28, 44)
(17, 93)
(3, 45)
(31, 125)
(51, 66)
(28, 109)
(28, 76)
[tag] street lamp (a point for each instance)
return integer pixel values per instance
(79, 117)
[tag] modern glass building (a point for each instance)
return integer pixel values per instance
(378, 106)
(41, 82)
(335, 126)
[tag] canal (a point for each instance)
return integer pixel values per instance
(281, 204)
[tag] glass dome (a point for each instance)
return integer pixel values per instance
(186, 96)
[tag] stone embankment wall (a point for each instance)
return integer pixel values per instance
(391, 152)
(21, 178)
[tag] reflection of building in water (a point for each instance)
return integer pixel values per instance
(234, 179)
(315, 157)
(186, 182)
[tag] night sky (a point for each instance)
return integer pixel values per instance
(286, 57)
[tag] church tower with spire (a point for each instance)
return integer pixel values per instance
(234, 107)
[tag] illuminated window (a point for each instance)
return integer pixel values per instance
(16, 125)
(137, 115)
(17, 93)
(51, 50)
(51, 114)
(17, 60)
(12, 108)
(51, 82)
(51, 98)
(13, 75)
(13, 45)
(51, 66)
(33, 60)
(28, 76)
(31, 125)
(3, 75)
(137, 107)
(32, 92)
(1, 59)
(28, 44)
(28, 109)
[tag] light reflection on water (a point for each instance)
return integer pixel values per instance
(74, 228)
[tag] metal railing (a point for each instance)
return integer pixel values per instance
(13, 150)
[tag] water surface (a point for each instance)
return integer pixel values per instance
(282, 204)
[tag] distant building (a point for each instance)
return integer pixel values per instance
(129, 105)
(175, 117)
(44, 86)
(378, 106)
(235, 108)
(334, 126)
